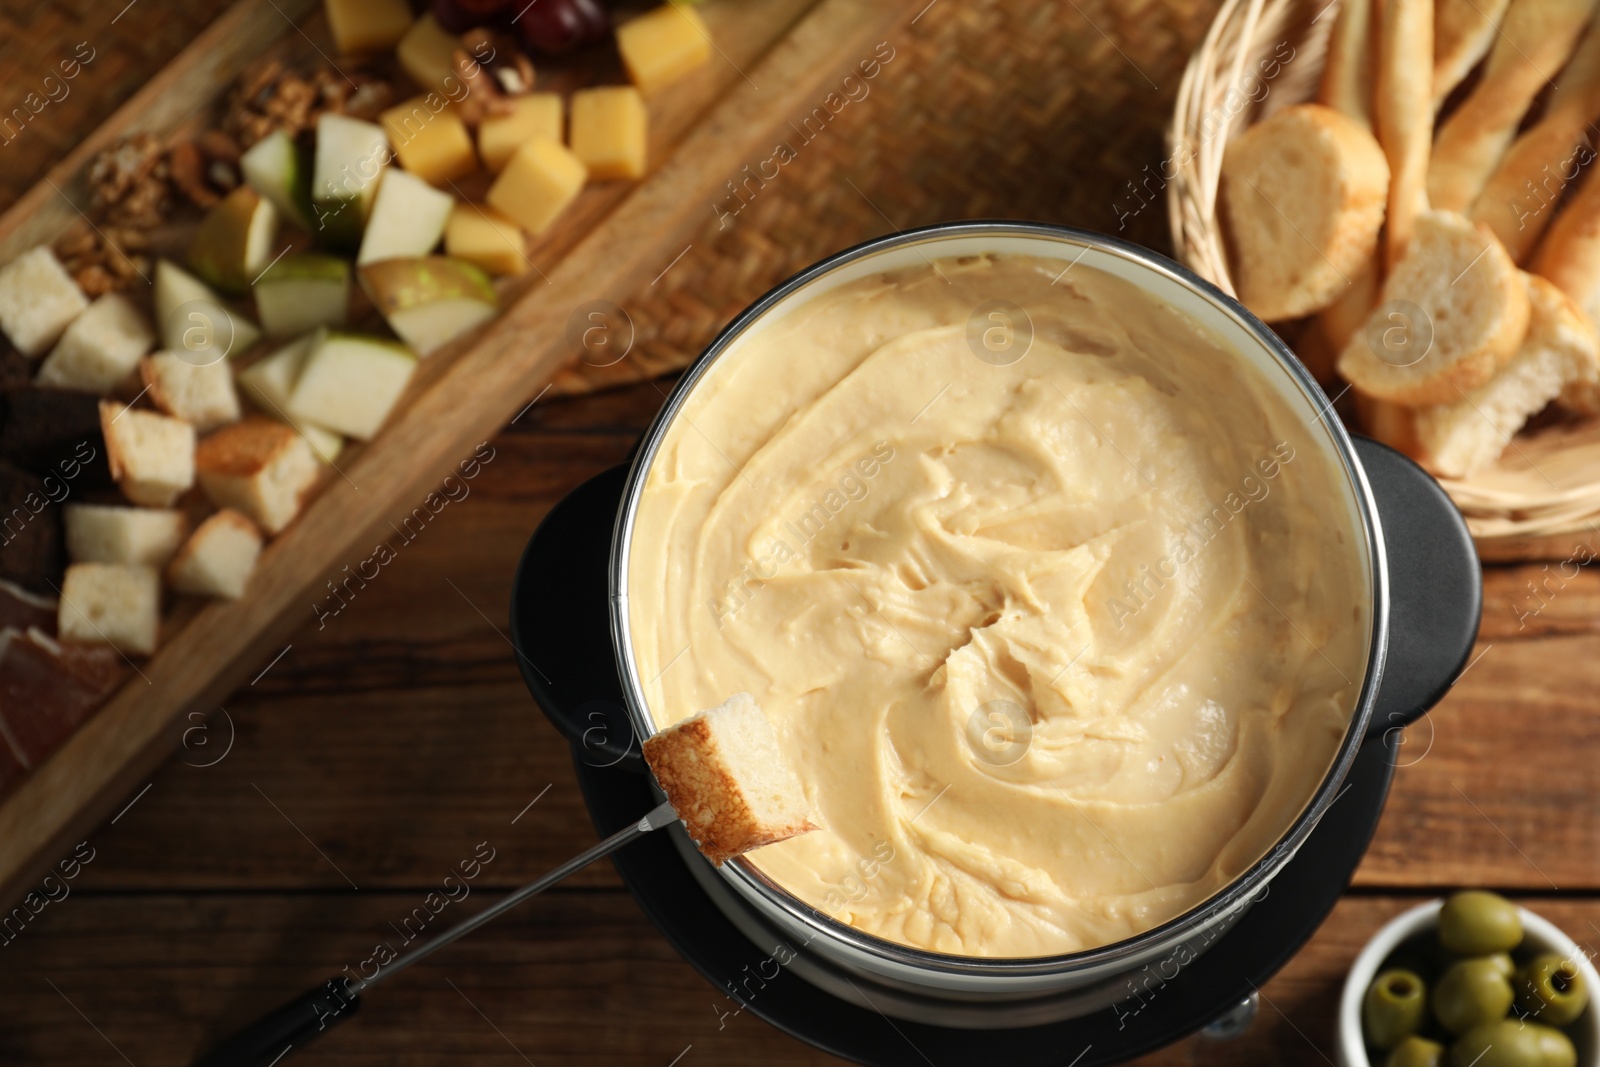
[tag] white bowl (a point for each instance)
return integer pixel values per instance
(1539, 934)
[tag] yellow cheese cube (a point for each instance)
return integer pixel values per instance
(538, 183)
(608, 131)
(425, 54)
(536, 115)
(367, 25)
(663, 45)
(483, 236)
(429, 139)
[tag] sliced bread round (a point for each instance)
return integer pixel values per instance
(1453, 310)
(1302, 199)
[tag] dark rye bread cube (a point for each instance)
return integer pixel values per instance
(32, 546)
(57, 433)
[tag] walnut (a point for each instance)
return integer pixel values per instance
(187, 167)
(484, 97)
(270, 97)
(128, 182)
(218, 146)
(101, 262)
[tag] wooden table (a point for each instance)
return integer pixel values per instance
(292, 833)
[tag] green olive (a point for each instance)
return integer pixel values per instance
(1555, 1046)
(1416, 1051)
(1506, 1043)
(1393, 1008)
(1475, 923)
(1502, 963)
(1552, 990)
(1471, 993)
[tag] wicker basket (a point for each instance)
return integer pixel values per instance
(1263, 55)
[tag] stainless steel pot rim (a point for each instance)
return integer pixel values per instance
(1249, 885)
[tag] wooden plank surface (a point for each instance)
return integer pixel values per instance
(383, 746)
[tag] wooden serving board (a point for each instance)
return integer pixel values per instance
(776, 60)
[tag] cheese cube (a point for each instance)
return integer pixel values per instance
(200, 394)
(100, 348)
(539, 182)
(260, 467)
(111, 603)
(38, 299)
(151, 456)
(486, 238)
(608, 131)
(110, 533)
(663, 45)
(367, 25)
(426, 54)
(218, 559)
(430, 141)
(533, 115)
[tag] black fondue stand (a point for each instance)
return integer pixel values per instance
(1436, 594)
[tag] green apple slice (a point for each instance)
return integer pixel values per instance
(408, 218)
(325, 443)
(350, 382)
(234, 241)
(301, 292)
(429, 300)
(270, 380)
(193, 320)
(350, 158)
(280, 170)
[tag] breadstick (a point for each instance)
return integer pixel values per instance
(1534, 41)
(1463, 30)
(1570, 254)
(1347, 73)
(1403, 108)
(1518, 202)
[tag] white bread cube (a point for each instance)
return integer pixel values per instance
(110, 533)
(100, 348)
(200, 394)
(260, 467)
(111, 603)
(151, 455)
(728, 779)
(38, 300)
(218, 559)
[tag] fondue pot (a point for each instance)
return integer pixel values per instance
(780, 958)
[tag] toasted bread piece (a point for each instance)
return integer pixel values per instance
(100, 348)
(198, 393)
(260, 467)
(1460, 439)
(1347, 72)
(1463, 31)
(1393, 424)
(109, 533)
(1403, 115)
(1519, 200)
(38, 300)
(151, 456)
(1530, 48)
(1302, 197)
(118, 604)
(219, 558)
(1474, 305)
(728, 780)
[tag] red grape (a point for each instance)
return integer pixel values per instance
(553, 27)
(457, 16)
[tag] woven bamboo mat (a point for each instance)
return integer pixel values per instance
(1045, 110)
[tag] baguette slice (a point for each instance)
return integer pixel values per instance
(1458, 277)
(1303, 199)
(118, 604)
(728, 780)
(1462, 438)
